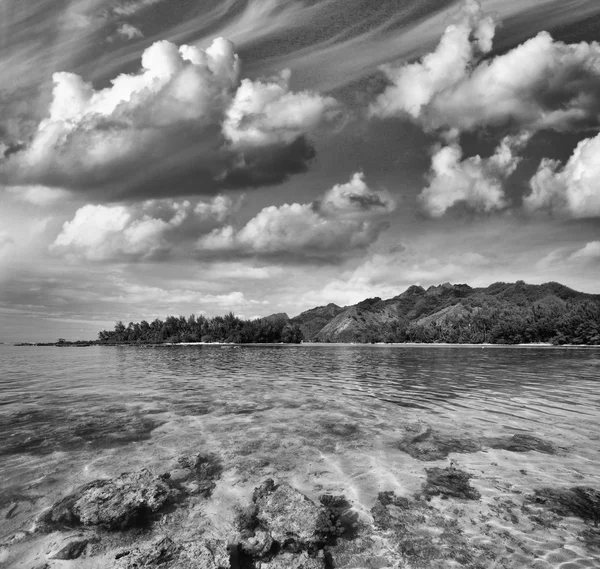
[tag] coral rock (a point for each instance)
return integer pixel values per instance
(126, 501)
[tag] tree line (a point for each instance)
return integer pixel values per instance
(228, 328)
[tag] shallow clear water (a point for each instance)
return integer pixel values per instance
(323, 417)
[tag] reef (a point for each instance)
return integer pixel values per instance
(429, 445)
(147, 520)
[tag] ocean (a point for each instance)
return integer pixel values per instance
(355, 420)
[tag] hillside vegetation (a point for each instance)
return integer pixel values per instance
(503, 313)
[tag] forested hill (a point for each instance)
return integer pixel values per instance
(503, 313)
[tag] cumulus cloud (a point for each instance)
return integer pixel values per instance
(573, 189)
(150, 230)
(183, 124)
(540, 84)
(278, 116)
(346, 219)
(475, 182)
(414, 86)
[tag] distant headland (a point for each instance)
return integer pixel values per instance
(502, 313)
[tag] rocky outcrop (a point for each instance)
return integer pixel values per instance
(357, 323)
(290, 517)
(130, 500)
(312, 321)
(284, 528)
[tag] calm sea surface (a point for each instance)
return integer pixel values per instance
(323, 417)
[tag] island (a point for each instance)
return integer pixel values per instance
(502, 313)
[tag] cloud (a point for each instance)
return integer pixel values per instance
(6, 242)
(572, 189)
(264, 114)
(347, 219)
(151, 230)
(129, 32)
(131, 7)
(589, 251)
(38, 195)
(540, 84)
(475, 182)
(415, 85)
(184, 124)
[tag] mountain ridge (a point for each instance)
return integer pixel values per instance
(458, 313)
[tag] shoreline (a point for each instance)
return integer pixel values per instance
(84, 344)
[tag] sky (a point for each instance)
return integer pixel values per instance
(168, 157)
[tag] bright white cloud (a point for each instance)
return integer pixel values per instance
(414, 86)
(540, 84)
(572, 189)
(183, 124)
(268, 113)
(475, 181)
(147, 230)
(348, 218)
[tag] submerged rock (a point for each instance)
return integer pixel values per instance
(169, 554)
(43, 430)
(196, 474)
(129, 500)
(290, 517)
(449, 483)
(430, 445)
(68, 547)
(522, 443)
(284, 528)
(258, 545)
(362, 552)
(580, 501)
(293, 561)
(410, 533)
